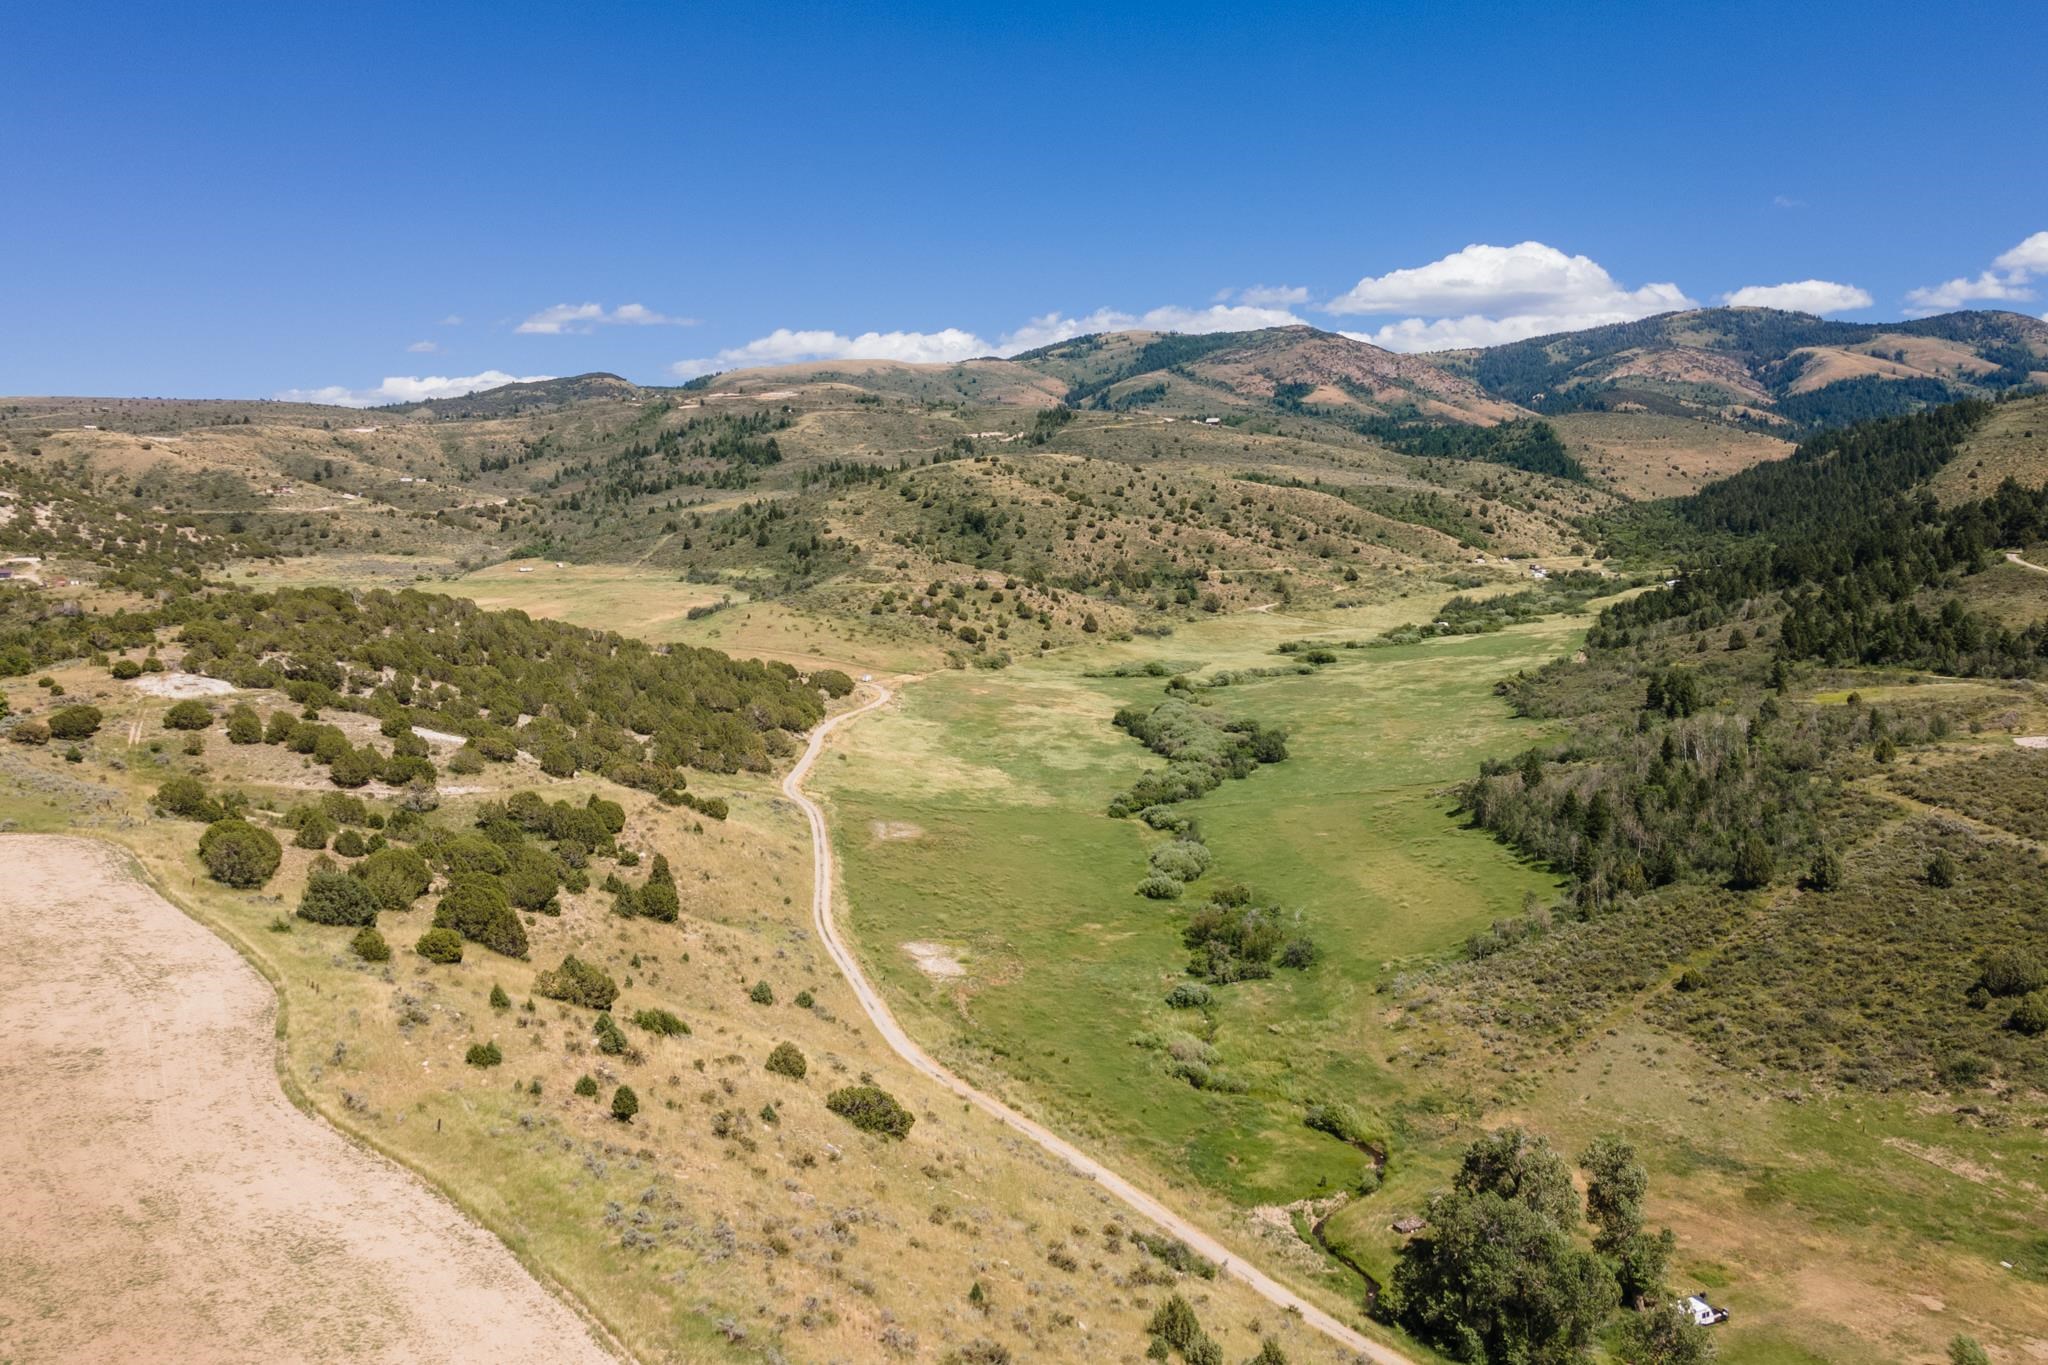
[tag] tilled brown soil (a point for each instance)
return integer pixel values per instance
(160, 1199)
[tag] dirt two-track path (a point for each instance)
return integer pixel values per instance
(892, 1032)
(160, 1199)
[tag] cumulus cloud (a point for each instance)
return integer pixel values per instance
(1819, 297)
(2029, 257)
(1484, 295)
(788, 346)
(581, 318)
(1989, 287)
(424, 347)
(407, 389)
(2008, 281)
(1474, 329)
(1050, 328)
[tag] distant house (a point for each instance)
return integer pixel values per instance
(526, 568)
(1212, 421)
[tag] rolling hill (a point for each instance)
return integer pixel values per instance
(1789, 372)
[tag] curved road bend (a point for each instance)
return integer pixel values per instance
(892, 1032)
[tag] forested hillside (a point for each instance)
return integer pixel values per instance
(1723, 735)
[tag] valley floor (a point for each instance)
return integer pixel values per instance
(993, 900)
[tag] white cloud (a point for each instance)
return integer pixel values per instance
(1474, 329)
(1484, 295)
(1273, 295)
(1050, 328)
(2029, 257)
(1949, 295)
(1819, 297)
(564, 318)
(424, 347)
(786, 346)
(1786, 201)
(407, 389)
(2006, 281)
(452, 320)
(1528, 277)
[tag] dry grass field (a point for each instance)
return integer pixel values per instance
(1649, 455)
(2011, 444)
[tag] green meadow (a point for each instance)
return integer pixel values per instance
(970, 821)
(971, 816)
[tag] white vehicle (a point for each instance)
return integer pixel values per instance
(1702, 1312)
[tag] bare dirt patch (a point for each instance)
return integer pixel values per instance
(165, 1201)
(439, 736)
(181, 686)
(2031, 741)
(935, 959)
(1945, 1159)
(886, 830)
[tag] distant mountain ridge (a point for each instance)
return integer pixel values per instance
(1787, 373)
(1764, 366)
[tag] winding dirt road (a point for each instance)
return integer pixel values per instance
(164, 1201)
(2014, 557)
(892, 1032)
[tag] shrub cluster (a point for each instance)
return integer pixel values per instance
(660, 1021)
(239, 854)
(579, 983)
(1201, 751)
(337, 898)
(414, 658)
(440, 945)
(477, 908)
(872, 1110)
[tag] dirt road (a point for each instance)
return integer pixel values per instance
(2014, 556)
(885, 1022)
(164, 1201)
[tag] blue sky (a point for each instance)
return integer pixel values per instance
(248, 200)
